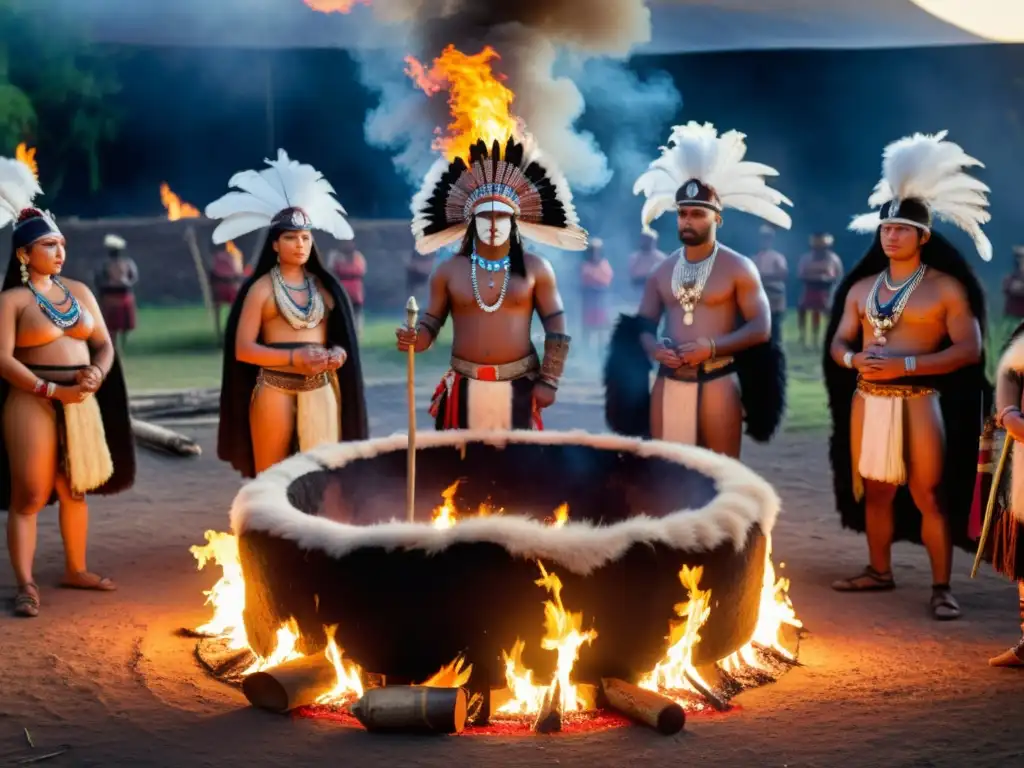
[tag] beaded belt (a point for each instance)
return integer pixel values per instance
(292, 382)
(504, 372)
(901, 391)
(698, 372)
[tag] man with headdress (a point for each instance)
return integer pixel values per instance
(116, 285)
(643, 261)
(292, 376)
(774, 270)
(1013, 286)
(904, 367)
(595, 292)
(819, 271)
(493, 286)
(717, 365)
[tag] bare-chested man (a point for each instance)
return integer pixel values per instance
(712, 301)
(905, 369)
(819, 271)
(774, 271)
(292, 378)
(643, 261)
(492, 286)
(116, 286)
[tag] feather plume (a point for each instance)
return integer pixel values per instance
(697, 151)
(931, 169)
(18, 188)
(263, 194)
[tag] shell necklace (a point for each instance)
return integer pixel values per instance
(884, 316)
(689, 279)
(298, 316)
(491, 267)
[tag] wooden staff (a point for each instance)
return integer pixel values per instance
(648, 707)
(204, 279)
(411, 314)
(412, 709)
(993, 492)
(294, 684)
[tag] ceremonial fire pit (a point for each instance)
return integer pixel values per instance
(655, 558)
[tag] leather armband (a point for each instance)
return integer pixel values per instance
(431, 325)
(556, 350)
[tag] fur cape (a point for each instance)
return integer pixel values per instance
(966, 398)
(761, 370)
(234, 439)
(112, 398)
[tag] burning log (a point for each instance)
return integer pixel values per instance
(164, 439)
(412, 709)
(294, 684)
(712, 698)
(549, 719)
(648, 707)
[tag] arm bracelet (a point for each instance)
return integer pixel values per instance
(848, 358)
(556, 350)
(431, 325)
(1006, 412)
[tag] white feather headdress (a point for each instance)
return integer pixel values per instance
(18, 188)
(285, 184)
(696, 152)
(930, 170)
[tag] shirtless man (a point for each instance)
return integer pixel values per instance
(773, 269)
(492, 287)
(292, 378)
(819, 270)
(905, 372)
(643, 261)
(713, 304)
(116, 282)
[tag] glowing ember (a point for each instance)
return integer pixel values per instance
(349, 684)
(334, 6)
(450, 676)
(176, 209)
(563, 635)
(480, 104)
(28, 156)
(676, 670)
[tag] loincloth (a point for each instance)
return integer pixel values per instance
(680, 397)
(225, 288)
(118, 308)
(317, 401)
(488, 397)
(82, 450)
(816, 297)
(883, 449)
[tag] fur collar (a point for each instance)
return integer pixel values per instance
(1013, 358)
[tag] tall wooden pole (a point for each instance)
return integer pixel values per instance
(411, 315)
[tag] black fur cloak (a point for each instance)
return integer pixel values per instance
(112, 398)
(234, 439)
(761, 370)
(966, 399)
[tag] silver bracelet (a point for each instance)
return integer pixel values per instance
(910, 364)
(50, 389)
(848, 359)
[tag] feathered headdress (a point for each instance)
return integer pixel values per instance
(923, 176)
(520, 181)
(287, 195)
(18, 188)
(701, 168)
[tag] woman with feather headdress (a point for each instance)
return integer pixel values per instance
(63, 406)
(717, 362)
(493, 285)
(292, 376)
(904, 366)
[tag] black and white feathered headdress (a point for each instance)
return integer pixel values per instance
(700, 168)
(286, 196)
(519, 181)
(18, 188)
(923, 177)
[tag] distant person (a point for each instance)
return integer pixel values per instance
(595, 288)
(1013, 286)
(774, 270)
(349, 266)
(116, 283)
(644, 261)
(819, 271)
(417, 272)
(226, 276)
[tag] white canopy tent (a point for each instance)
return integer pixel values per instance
(678, 26)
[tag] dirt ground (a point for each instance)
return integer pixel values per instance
(105, 676)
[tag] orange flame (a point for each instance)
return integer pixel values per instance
(334, 6)
(480, 104)
(28, 156)
(236, 254)
(176, 209)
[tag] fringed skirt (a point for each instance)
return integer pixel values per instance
(317, 405)
(675, 407)
(1006, 533)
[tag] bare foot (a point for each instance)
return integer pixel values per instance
(86, 580)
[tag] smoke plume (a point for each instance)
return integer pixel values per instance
(533, 39)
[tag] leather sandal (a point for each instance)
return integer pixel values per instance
(868, 580)
(26, 602)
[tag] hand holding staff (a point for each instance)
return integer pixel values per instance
(411, 315)
(986, 526)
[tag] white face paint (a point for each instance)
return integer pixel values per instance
(493, 231)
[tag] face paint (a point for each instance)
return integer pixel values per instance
(493, 231)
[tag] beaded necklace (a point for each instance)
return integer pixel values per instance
(62, 319)
(298, 316)
(492, 267)
(883, 316)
